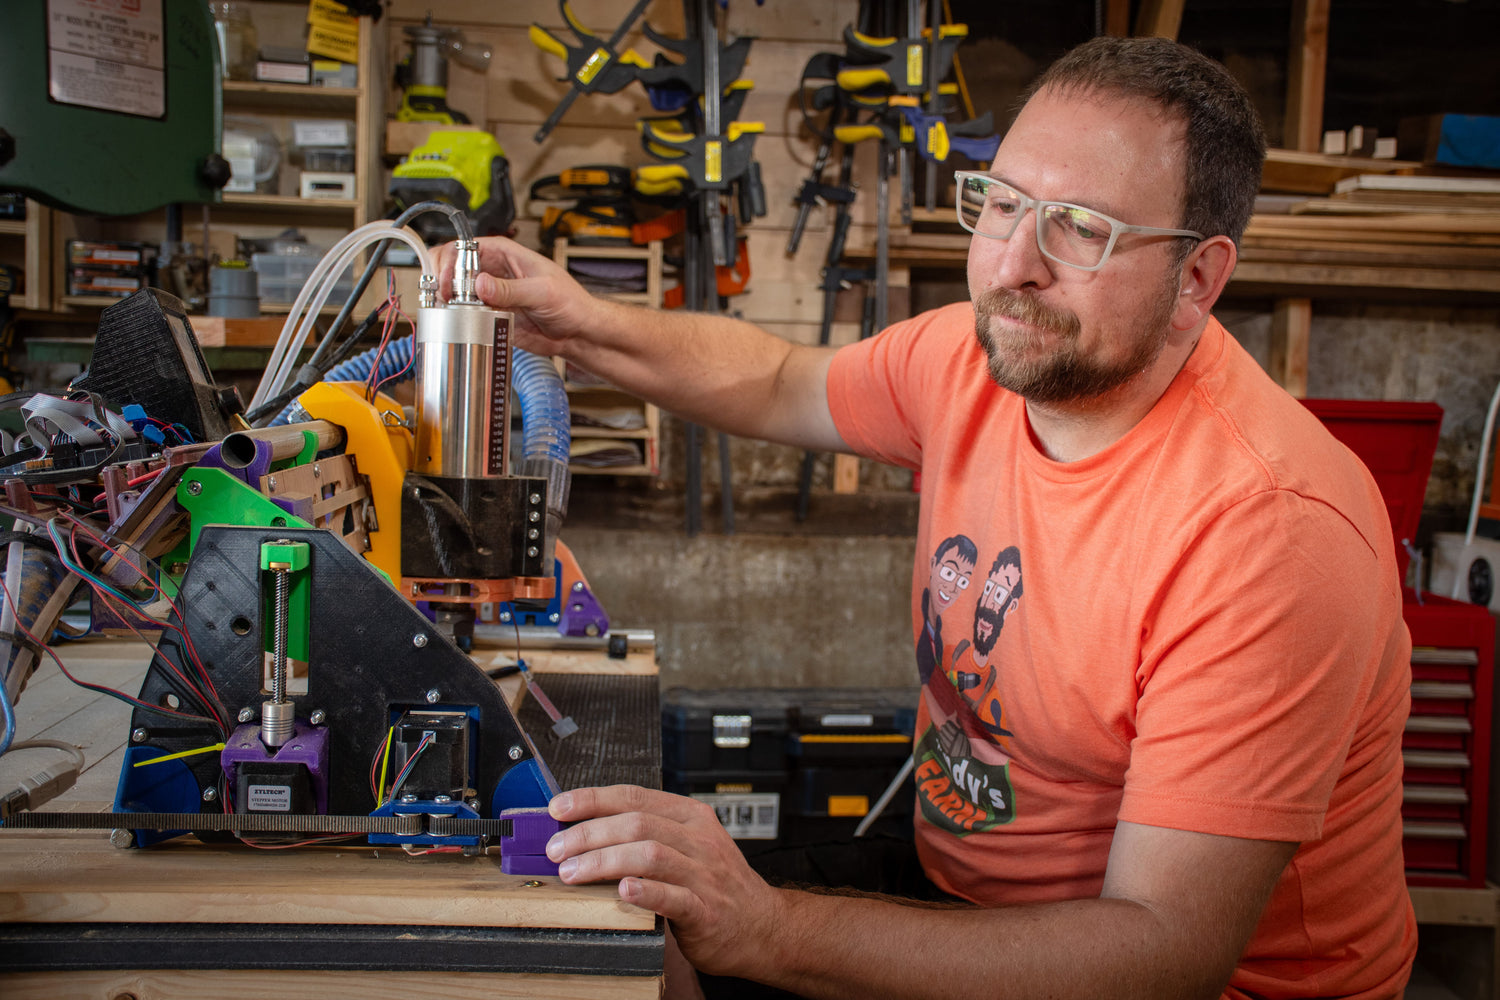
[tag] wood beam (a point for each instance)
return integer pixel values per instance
(1307, 65)
(1291, 327)
(1159, 19)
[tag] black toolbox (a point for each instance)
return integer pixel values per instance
(791, 766)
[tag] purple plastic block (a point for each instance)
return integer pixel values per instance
(530, 831)
(249, 473)
(308, 746)
(580, 612)
(526, 864)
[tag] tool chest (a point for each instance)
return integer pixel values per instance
(1446, 745)
(787, 766)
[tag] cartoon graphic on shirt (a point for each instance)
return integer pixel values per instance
(971, 670)
(952, 565)
(962, 759)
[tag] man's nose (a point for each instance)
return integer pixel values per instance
(1019, 261)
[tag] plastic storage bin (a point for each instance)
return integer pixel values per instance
(282, 275)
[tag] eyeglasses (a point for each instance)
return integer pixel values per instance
(1069, 234)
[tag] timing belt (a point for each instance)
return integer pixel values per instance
(410, 825)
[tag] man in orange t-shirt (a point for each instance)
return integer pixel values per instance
(1176, 772)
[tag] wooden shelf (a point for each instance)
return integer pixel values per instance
(91, 301)
(12, 227)
(291, 203)
(289, 96)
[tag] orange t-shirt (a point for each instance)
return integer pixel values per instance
(1197, 628)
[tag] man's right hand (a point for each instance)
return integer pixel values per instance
(549, 306)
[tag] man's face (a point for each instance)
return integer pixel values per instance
(1054, 333)
(950, 577)
(995, 603)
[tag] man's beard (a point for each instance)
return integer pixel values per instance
(1063, 373)
(996, 621)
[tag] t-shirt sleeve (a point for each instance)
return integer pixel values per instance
(881, 390)
(1257, 671)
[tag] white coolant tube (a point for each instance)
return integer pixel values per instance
(317, 288)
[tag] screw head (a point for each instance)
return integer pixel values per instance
(246, 714)
(210, 794)
(318, 717)
(271, 482)
(434, 696)
(532, 551)
(442, 798)
(577, 586)
(535, 498)
(194, 488)
(317, 471)
(138, 735)
(514, 753)
(505, 617)
(121, 839)
(533, 516)
(419, 640)
(553, 617)
(408, 798)
(533, 534)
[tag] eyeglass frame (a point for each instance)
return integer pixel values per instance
(1035, 206)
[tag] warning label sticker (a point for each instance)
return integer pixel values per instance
(747, 815)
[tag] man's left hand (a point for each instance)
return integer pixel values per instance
(673, 857)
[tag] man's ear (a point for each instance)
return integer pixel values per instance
(1204, 274)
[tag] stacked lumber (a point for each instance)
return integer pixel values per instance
(1423, 232)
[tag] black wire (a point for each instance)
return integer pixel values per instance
(277, 403)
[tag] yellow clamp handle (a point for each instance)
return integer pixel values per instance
(660, 173)
(873, 42)
(862, 79)
(547, 42)
(737, 129)
(850, 134)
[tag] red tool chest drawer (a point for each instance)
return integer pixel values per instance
(1446, 746)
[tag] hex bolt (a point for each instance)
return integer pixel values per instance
(246, 714)
(419, 640)
(434, 696)
(514, 753)
(138, 735)
(121, 838)
(194, 487)
(210, 794)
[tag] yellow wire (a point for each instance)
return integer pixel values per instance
(385, 759)
(176, 756)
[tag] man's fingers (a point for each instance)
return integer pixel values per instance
(647, 859)
(674, 902)
(587, 803)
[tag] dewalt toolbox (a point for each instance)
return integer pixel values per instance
(786, 766)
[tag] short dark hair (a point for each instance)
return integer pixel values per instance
(1009, 556)
(1226, 145)
(967, 550)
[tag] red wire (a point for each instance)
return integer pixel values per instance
(89, 684)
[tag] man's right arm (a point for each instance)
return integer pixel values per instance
(710, 369)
